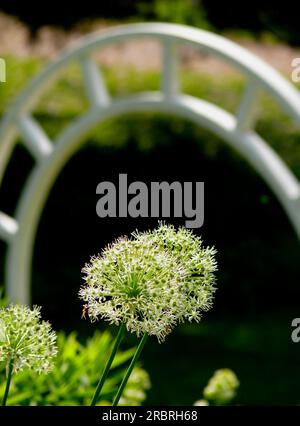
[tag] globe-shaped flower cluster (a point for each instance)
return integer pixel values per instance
(150, 282)
(25, 340)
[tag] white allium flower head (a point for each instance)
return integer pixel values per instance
(199, 265)
(26, 340)
(150, 282)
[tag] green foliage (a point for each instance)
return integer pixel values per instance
(75, 375)
(189, 12)
(3, 300)
(18, 72)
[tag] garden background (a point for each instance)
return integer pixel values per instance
(249, 328)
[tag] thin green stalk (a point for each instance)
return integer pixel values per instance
(108, 364)
(130, 368)
(8, 380)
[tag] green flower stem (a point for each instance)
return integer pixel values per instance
(8, 380)
(108, 364)
(130, 368)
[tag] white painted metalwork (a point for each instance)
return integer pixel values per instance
(8, 227)
(34, 137)
(247, 110)
(169, 77)
(95, 86)
(2, 71)
(237, 131)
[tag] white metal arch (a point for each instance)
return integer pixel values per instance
(236, 130)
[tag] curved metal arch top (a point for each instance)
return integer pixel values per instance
(237, 130)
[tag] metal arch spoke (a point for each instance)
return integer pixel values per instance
(247, 108)
(94, 83)
(34, 137)
(169, 72)
(8, 227)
